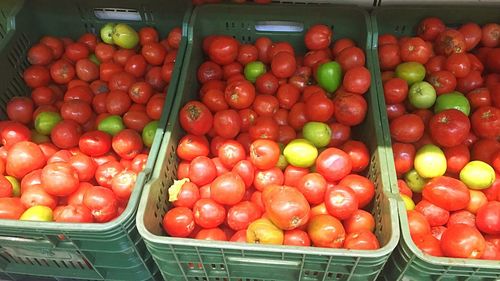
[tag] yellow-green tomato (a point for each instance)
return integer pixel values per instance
(16, 187)
(300, 153)
(414, 181)
(477, 175)
(37, 213)
(409, 204)
(430, 161)
(263, 231)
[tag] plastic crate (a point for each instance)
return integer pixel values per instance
(108, 251)
(190, 259)
(407, 262)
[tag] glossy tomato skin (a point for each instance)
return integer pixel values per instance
(435, 215)
(123, 184)
(285, 206)
(102, 202)
(11, 208)
(179, 222)
(223, 50)
(36, 195)
(20, 109)
(350, 109)
(404, 155)
(107, 171)
(73, 213)
(313, 187)
(202, 170)
(363, 188)
(227, 189)
(462, 241)
(486, 122)
(447, 193)
(66, 134)
(407, 128)
(318, 37)
(488, 218)
(449, 127)
(333, 164)
(208, 213)
(227, 123)
(264, 154)
(418, 224)
(360, 220)
(430, 27)
(450, 42)
(95, 143)
(296, 237)
(456, 158)
(22, 158)
(195, 118)
(242, 214)
(363, 240)
(127, 144)
(264, 178)
(60, 179)
(326, 231)
(341, 201)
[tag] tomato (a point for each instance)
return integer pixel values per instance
(263, 44)
(247, 53)
(450, 42)
(326, 231)
(227, 123)
(490, 35)
(486, 122)
(223, 50)
(136, 65)
(479, 97)
(22, 158)
(313, 187)
(443, 81)
(283, 65)
(395, 90)
(341, 201)
(363, 240)
(76, 110)
(458, 64)
(264, 178)
(86, 70)
(418, 224)
(13, 132)
(202, 170)
(55, 44)
(436, 63)
(127, 143)
(296, 237)
(227, 189)
(191, 146)
(267, 84)
(472, 35)
(428, 244)
(430, 27)
(343, 43)
(340, 134)
(462, 217)
(108, 69)
(313, 58)
(231, 152)
(407, 128)
(456, 158)
(195, 118)
(211, 234)
(76, 51)
(265, 105)
(318, 36)
(415, 49)
(264, 128)
(154, 78)
(61, 72)
(462, 241)
(470, 82)
(435, 215)
(39, 54)
(179, 222)
(66, 134)
(488, 218)
(104, 52)
(360, 156)
(350, 109)
(187, 195)
(73, 213)
(107, 171)
(11, 208)
(359, 221)
(240, 94)
(36, 76)
(477, 200)
(363, 188)
(208, 213)
(447, 193)
(333, 164)
(404, 155)
(264, 154)
(242, 214)
(389, 56)
(122, 55)
(147, 35)
(297, 116)
(35, 177)
(183, 170)
(285, 206)
(293, 175)
(123, 184)
(279, 47)
(95, 143)
(449, 127)
(483, 149)
(60, 179)
(319, 107)
(36, 195)
(154, 53)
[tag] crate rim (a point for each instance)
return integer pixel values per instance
(151, 238)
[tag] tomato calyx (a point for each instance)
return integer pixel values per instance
(193, 112)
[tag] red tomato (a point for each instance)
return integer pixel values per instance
(154, 107)
(80, 92)
(227, 189)
(13, 132)
(418, 224)
(483, 149)
(436, 63)
(285, 206)
(127, 144)
(488, 218)
(195, 118)
(389, 56)
(106, 172)
(363, 188)
(404, 154)
(462, 241)
(179, 222)
(449, 127)
(340, 134)
(350, 109)
(458, 64)
(479, 97)
(76, 110)
(472, 35)
(187, 195)
(264, 178)
(435, 215)
(360, 156)
(208, 213)
(264, 154)
(364, 240)
(123, 184)
(231, 152)
(267, 84)
(86, 70)
(447, 193)
(333, 164)
(66, 134)
(40, 54)
(191, 146)
(247, 53)
(263, 44)
(242, 214)
(296, 237)
(297, 116)
(490, 37)
(395, 90)
(11, 208)
(283, 65)
(108, 69)
(211, 234)
(104, 52)
(154, 53)
(22, 158)
(341, 201)
(36, 76)
(326, 231)
(486, 122)
(223, 50)
(450, 42)
(136, 65)
(360, 220)
(428, 244)
(470, 82)
(318, 36)
(73, 213)
(227, 123)
(76, 51)
(415, 49)
(351, 57)
(122, 55)
(407, 128)
(343, 43)
(443, 81)
(319, 107)
(36, 195)
(55, 44)
(95, 143)
(265, 105)
(430, 27)
(264, 128)
(147, 35)
(293, 175)
(313, 187)
(240, 94)
(84, 166)
(202, 170)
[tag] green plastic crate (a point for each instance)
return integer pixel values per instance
(57, 251)
(190, 259)
(407, 262)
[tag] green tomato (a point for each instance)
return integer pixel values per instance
(16, 187)
(125, 36)
(37, 213)
(46, 121)
(107, 33)
(409, 204)
(282, 163)
(112, 125)
(411, 72)
(329, 76)
(253, 70)
(414, 181)
(94, 59)
(430, 161)
(453, 100)
(477, 175)
(422, 95)
(317, 133)
(148, 133)
(300, 153)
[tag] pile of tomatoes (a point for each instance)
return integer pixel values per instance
(442, 92)
(268, 156)
(71, 151)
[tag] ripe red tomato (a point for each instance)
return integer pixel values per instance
(267, 84)
(407, 128)
(418, 224)
(212, 234)
(208, 213)
(107, 171)
(351, 57)
(264, 178)
(76, 110)
(240, 94)
(443, 81)
(102, 202)
(230, 153)
(55, 44)
(76, 51)
(36, 76)
(389, 56)
(264, 128)
(66, 134)
(435, 215)
(223, 49)
(479, 97)
(456, 158)
(227, 123)
(179, 222)
(247, 53)
(227, 189)
(202, 170)
(447, 193)
(242, 214)
(415, 49)
(195, 118)
(326, 231)
(450, 42)
(340, 134)
(472, 35)
(350, 109)
(395, 90)
(265, 105)
(449, 127)
(428, 244)
(341, 44)
(104, 52)
(11, 208)
(86, 70)
(333, 164)
(490, 36)
(360, 220)
(360, 156)
(60, 179)
(294, 174)
(488, 218)
(462, 241)
(363, 188)
(341, 201)
(486, 122)
(191, 146)
(296, 237)
(154, 53)
(313, 187)
(123, 184)
(40, 54)
(73, 213)
(22, 158)
(430, 27)
(319, 107)
(436, 63)
(458, 64)
(108, 69)
(61, 72)
(318, 37)
(483, 149)
(283, 65)
(127, 144)
(188, 194)
(285, 206)
(36, 195)
(13, 132)
(264, 154)
(363, 240)
(404, 154)
(95, 143)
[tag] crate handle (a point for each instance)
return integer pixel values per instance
(264, 261)
(49, 241)
(117, 14)
(279, 26)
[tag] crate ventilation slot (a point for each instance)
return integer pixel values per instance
(117, 14)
